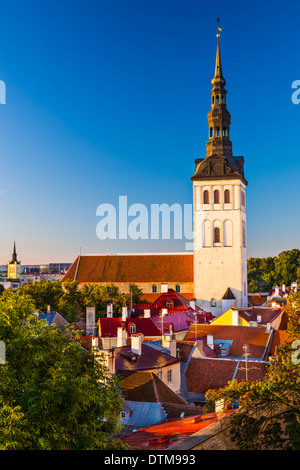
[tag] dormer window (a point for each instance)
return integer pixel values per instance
(169, 303)
(132, 328)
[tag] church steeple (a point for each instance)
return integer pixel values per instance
(219, 118)
(14, 255)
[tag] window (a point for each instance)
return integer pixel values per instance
(213, 100)
(225, 131)
(216, 196)
(217, 99)
(177, 288)
(206, 197)
(243, 199)
(132, 328)
(227, 196)
(218, 131)
(217, 235)
(169, 303)
(169, 376)
(211, 132)
(154, 289)
(213, 302)
(123, 414)
(244, 233)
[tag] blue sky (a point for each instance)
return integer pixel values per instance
(109, 98)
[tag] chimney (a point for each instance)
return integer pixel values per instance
(111, 361)
(147, 313)
(235, 318)
(283, 288)
(259, 319)
(169, 343)
(192, 304)
(48, 308)
(136, 343)
(124, 313)
(294, 286)
(109, 310)
(210, 341)
(164, 288)
(277, 291)
(121, 337)
(95, 342)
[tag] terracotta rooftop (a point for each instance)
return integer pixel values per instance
(128, 362)
(255, 337)
(203, 374)
(146, 386)
(132, 268)
(162, 435)
(267, 314)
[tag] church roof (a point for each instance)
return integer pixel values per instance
(164, 267)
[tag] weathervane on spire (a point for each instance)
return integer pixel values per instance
(219, 29)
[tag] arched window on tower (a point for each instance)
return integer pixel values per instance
(206, 197)
(226, 196)
(213, 100)
(218, 131)
(225, 133)
(211, 132)
(218, 99)
(217, 235)
(216, 196)
(222, 99)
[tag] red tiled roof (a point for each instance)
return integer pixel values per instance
(203, 374)
(132, 268)
(268, 314)
(255, 337)
(180, 321)
(279, 338)
(150, 359)
(174, 430)
(147, 387)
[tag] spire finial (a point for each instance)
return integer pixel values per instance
(219, 29)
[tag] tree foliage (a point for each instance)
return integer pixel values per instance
(265, 273)
(53, 393)
(269, 411)
(71, 300)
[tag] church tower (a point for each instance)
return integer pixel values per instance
(14, 267)
(219, 211)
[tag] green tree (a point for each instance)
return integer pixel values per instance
(43, 293)
(53, 393)
(71, 304)
(287, 267)
(269, 411)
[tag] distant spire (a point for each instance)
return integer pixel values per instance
(14, 255)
